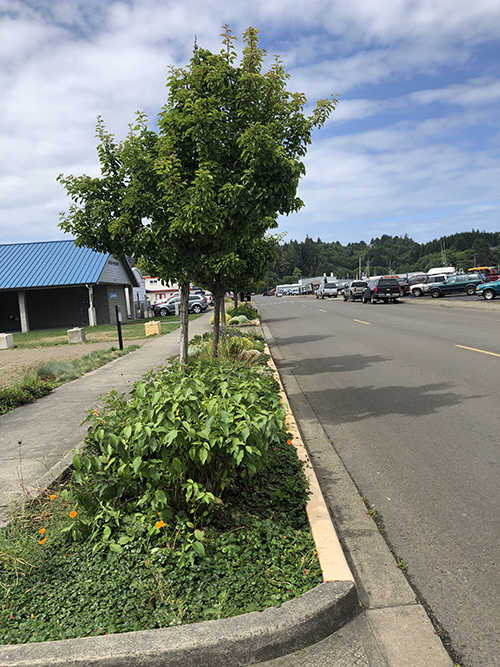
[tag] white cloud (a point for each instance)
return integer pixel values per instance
(64, 62)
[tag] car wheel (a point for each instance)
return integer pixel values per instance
(470, 290)
(489, 294)
(196, 308)
(164, 311)
(417, 292)
(435, 293)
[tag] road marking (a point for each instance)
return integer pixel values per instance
(362, 322)
(474, 349)
(322, 311)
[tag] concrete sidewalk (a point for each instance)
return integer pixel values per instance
(36, 442)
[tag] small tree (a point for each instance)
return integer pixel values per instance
(225, 162)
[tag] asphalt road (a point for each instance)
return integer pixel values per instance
(409, 395)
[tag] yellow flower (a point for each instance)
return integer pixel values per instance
(160, 524)
(42, 541)
(41, 531)
(72, 514)
(53, 496)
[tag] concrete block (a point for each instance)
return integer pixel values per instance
(76, 335)
(152, 328)
(6, 341)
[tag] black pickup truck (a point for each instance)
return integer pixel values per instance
(385, 289)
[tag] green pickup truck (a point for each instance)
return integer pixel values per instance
(456, 284)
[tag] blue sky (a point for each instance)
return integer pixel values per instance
(413, 147)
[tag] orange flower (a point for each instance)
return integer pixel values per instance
(42, 541)
(288, 442)
(41, 531)
(53, 496)
(72, 514)
(160, 524)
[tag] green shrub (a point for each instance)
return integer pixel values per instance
(22, 392)
(173, 450)
(244, 309)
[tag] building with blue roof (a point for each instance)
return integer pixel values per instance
(55, 284)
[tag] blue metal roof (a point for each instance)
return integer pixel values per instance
(49, 264)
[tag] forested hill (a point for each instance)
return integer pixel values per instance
(388, 254)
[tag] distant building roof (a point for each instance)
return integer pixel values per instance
(51, 264)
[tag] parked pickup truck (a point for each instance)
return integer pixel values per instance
(354, 290)
(327, 289)
(385, 289)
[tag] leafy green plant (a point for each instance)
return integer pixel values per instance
(173, 449)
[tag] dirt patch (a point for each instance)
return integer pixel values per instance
(16, 363)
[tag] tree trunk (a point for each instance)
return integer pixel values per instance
(215, 326)
(219, 317)
(183, 354)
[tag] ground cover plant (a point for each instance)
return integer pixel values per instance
(47, 376)
(186, 505)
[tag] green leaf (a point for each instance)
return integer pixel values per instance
(160, 496)
(199, 548)
(137, 464)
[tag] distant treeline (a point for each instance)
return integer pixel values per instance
(384, 255)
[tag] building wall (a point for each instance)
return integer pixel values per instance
(9, 312)
(62, 307)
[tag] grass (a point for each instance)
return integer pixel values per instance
(100, 334)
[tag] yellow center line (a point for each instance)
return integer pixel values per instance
(321, 310)
(474, 349)
(362, 322)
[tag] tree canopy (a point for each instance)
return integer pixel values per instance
(223, 163)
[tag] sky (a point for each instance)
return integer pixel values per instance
(413, 146)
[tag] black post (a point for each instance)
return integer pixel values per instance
(119, 326)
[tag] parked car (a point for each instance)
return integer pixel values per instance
(385, 289)
(327, 289)
(456, 285)
(197, 304)
(415, 279)
(488, 290)
(419, 289)
(354, 290)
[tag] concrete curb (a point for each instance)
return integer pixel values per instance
(233, 642)
(239, 641)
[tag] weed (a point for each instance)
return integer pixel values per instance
(401, 564)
